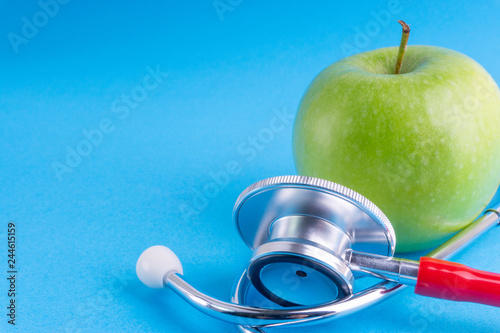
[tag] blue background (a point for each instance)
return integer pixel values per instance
(81, 231)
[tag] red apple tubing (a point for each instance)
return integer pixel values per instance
(457, 282)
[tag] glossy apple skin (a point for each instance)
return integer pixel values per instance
(423, 145)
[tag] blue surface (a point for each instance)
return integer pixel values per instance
(229, 74)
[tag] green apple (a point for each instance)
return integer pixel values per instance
(423, 145)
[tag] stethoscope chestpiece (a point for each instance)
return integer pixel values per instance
(310, 239)
(301, 231)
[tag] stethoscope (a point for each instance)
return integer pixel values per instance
(311, 240)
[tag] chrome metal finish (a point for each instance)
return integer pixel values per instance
(256, 319)
(496, 211)
(408, 272)
(318, 314)
(310, 230)
(308, 222)
(305, 243)
(324, 227)
(404, 271)
(269, 200)
(320, 261)
(379, 292)
(271, 317)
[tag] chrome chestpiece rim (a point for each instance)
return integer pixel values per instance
(301, 230)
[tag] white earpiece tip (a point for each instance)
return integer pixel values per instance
(155, 263)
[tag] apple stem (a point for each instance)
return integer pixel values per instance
(402, 45)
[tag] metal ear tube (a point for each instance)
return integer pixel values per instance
(324, 236)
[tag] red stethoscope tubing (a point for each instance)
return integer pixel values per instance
(457, 282)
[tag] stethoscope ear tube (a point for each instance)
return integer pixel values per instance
(457, 282)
